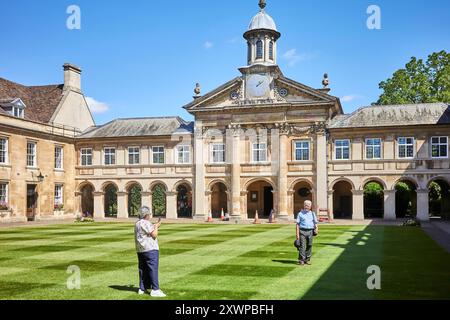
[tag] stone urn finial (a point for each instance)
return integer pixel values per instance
(262, 4)
(197, 90)
(325, 81)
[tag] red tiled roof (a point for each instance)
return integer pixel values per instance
(41, 101)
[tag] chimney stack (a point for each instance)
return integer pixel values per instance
(72, 77)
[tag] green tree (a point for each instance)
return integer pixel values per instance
(134, 201)
(159, 201)
(419, 82)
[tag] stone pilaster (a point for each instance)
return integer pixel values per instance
(321, 174)
(236, 211)
(171, 205)
(147, 200)
(282, 195)
(330, 205)
(122, 207)
(389, 205)
(422, 205)
(358, 204)
(199, 164)
(99, 206)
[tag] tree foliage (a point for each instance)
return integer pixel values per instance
(134, 201)
(419, 82)
(159, 201)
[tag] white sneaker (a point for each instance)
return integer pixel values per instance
(157, 293)
(141, 291)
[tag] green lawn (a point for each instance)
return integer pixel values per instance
(223, 262)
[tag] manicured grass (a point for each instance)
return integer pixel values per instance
(223, 262)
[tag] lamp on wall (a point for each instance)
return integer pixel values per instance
(40, 177)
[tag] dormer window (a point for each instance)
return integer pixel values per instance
(259, 49)
(18, 112)
(14, 107)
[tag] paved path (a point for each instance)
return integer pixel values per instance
(439, 231)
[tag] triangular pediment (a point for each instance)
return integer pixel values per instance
(283, 92)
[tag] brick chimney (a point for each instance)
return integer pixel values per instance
(72, 77)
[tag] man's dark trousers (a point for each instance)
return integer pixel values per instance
(148, 270)
(306, 242)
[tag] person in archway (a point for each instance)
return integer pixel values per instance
(306, 228)
(146, 239)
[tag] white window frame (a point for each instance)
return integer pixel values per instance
(57, 196)
(62, 158)
(439, 144)
(18, 112)
(256, 147)
(413, 144)
(301, 148)
(163, 152)
(373, 146)
(86, 155)
(188, 152)
(34, 155)
(6, 191)
(222, 157)
(134, 154)
(342, 148)
(114, 155)
(6, 150)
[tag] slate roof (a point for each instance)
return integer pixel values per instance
(41, 101)
(394, 115)
(140, 127)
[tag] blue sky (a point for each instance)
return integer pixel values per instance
(142, 58)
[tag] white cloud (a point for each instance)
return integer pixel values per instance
(97, 106)
(208, 45)
(293, 57)
(351, 97)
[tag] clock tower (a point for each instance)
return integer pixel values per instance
(262, 68)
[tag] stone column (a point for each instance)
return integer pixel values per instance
(290, 199)
(330, 205)
(171, 205)
(282, 213)
(147, 200)
(122, 207)
(99, 206)
(358, 204)
(199, 165)
(321, 173)
(422, 205)
(389, 205)
(236, 175)
(208, 195)
(78, 204)
(243, 203)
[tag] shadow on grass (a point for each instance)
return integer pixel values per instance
(286, 261)
(129, 288)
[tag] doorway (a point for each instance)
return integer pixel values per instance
(31, 202)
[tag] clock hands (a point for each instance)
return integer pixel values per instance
(260, 83)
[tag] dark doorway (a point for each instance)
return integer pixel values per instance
(87, 200)
(342, 200)
(373, 200)
(219, 200)
(31, 202)
(184, 201)
(268, 201)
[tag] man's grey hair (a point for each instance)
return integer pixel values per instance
(144, 212)
(308, 202)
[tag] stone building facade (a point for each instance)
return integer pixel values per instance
(261, 143)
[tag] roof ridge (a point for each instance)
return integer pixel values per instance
(141, 118)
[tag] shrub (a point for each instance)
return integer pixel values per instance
(411, 223)
(4, 205)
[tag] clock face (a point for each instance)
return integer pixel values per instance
(258, 86)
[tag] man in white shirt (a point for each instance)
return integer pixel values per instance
(147, 249)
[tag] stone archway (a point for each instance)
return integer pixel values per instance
(110, 201)
(219, 199)
(342, 200)
(87, 200)
(159, 200)
(134, 201)
(405, 198)
(184, 201)
(259, 198)
(439, 198)
(373, 200)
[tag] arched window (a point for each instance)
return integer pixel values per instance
(259, 49)
(271, 50)
(249, 52)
